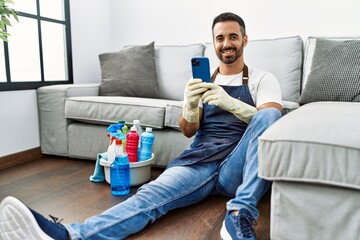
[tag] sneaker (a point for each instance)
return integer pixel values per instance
(17, 221)
(238, 227)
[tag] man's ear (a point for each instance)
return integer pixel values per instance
(245, 41)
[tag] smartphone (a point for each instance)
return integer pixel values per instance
(201, 68)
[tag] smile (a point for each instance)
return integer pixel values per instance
(228, 51)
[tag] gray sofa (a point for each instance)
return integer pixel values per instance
(74, 118)
(312, 154)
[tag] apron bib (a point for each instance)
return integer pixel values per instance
(220, 131)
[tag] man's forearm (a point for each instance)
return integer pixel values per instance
(188, 128)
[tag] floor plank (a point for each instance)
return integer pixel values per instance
(60, 187)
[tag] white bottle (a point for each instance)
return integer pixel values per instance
(111, 149)
(139, 130)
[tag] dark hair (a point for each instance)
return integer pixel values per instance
(228, 16)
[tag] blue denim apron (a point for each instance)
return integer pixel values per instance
(220, 131)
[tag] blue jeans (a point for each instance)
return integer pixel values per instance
(179, 186)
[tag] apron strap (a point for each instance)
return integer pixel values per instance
(245, 77)
(216, 72)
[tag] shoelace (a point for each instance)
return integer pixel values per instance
(245, 223)
(58, 221)
(55, 219)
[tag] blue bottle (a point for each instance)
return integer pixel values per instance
(120, 172)
(146, 142)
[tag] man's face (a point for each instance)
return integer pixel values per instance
(228, 41)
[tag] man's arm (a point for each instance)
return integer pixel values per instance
(270, 105)
(188, 128)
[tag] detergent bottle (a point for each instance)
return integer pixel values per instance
(120, 171)
(124, 130)
(146, 142)
(132, 139)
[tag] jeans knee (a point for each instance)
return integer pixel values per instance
(267, 116)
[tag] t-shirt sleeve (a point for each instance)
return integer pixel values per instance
(268, 90)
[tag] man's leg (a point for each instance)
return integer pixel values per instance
(175, 187)
(238, 175)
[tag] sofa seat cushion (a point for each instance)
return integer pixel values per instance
(173, 112)
(105, 110)
(316, 143)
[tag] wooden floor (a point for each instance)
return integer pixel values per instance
(60, 187)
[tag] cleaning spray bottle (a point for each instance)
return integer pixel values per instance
(113, 131)
(120, 171)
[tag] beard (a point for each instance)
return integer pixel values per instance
(233, 58)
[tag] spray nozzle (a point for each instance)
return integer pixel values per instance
(114, 131)
(113, 128)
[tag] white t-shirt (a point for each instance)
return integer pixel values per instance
(263, 86)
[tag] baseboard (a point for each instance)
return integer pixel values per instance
(20, 158)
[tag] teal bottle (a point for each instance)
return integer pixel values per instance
(146, 142)
(120, 172)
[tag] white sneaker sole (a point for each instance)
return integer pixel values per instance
(18, 223)
(224, 233)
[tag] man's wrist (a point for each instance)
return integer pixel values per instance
(190, 114)
(243, 111)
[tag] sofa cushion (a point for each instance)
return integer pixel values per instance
(335, 72)
(309, 53)
(129, 72)
(106, 110)
(316, 143)
(173, 112)
(173, 68)
(282, 57)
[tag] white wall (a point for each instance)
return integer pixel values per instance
(188, 21)
(91, 29)
(19, 129)
(107, 25)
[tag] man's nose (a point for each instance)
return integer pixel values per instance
(226, 42)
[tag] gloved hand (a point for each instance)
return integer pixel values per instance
(193, 92)
(217, 96)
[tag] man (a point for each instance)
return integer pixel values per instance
(227, 117)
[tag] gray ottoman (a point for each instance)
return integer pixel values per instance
(312, 155)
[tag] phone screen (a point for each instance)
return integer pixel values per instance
(201, 68)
